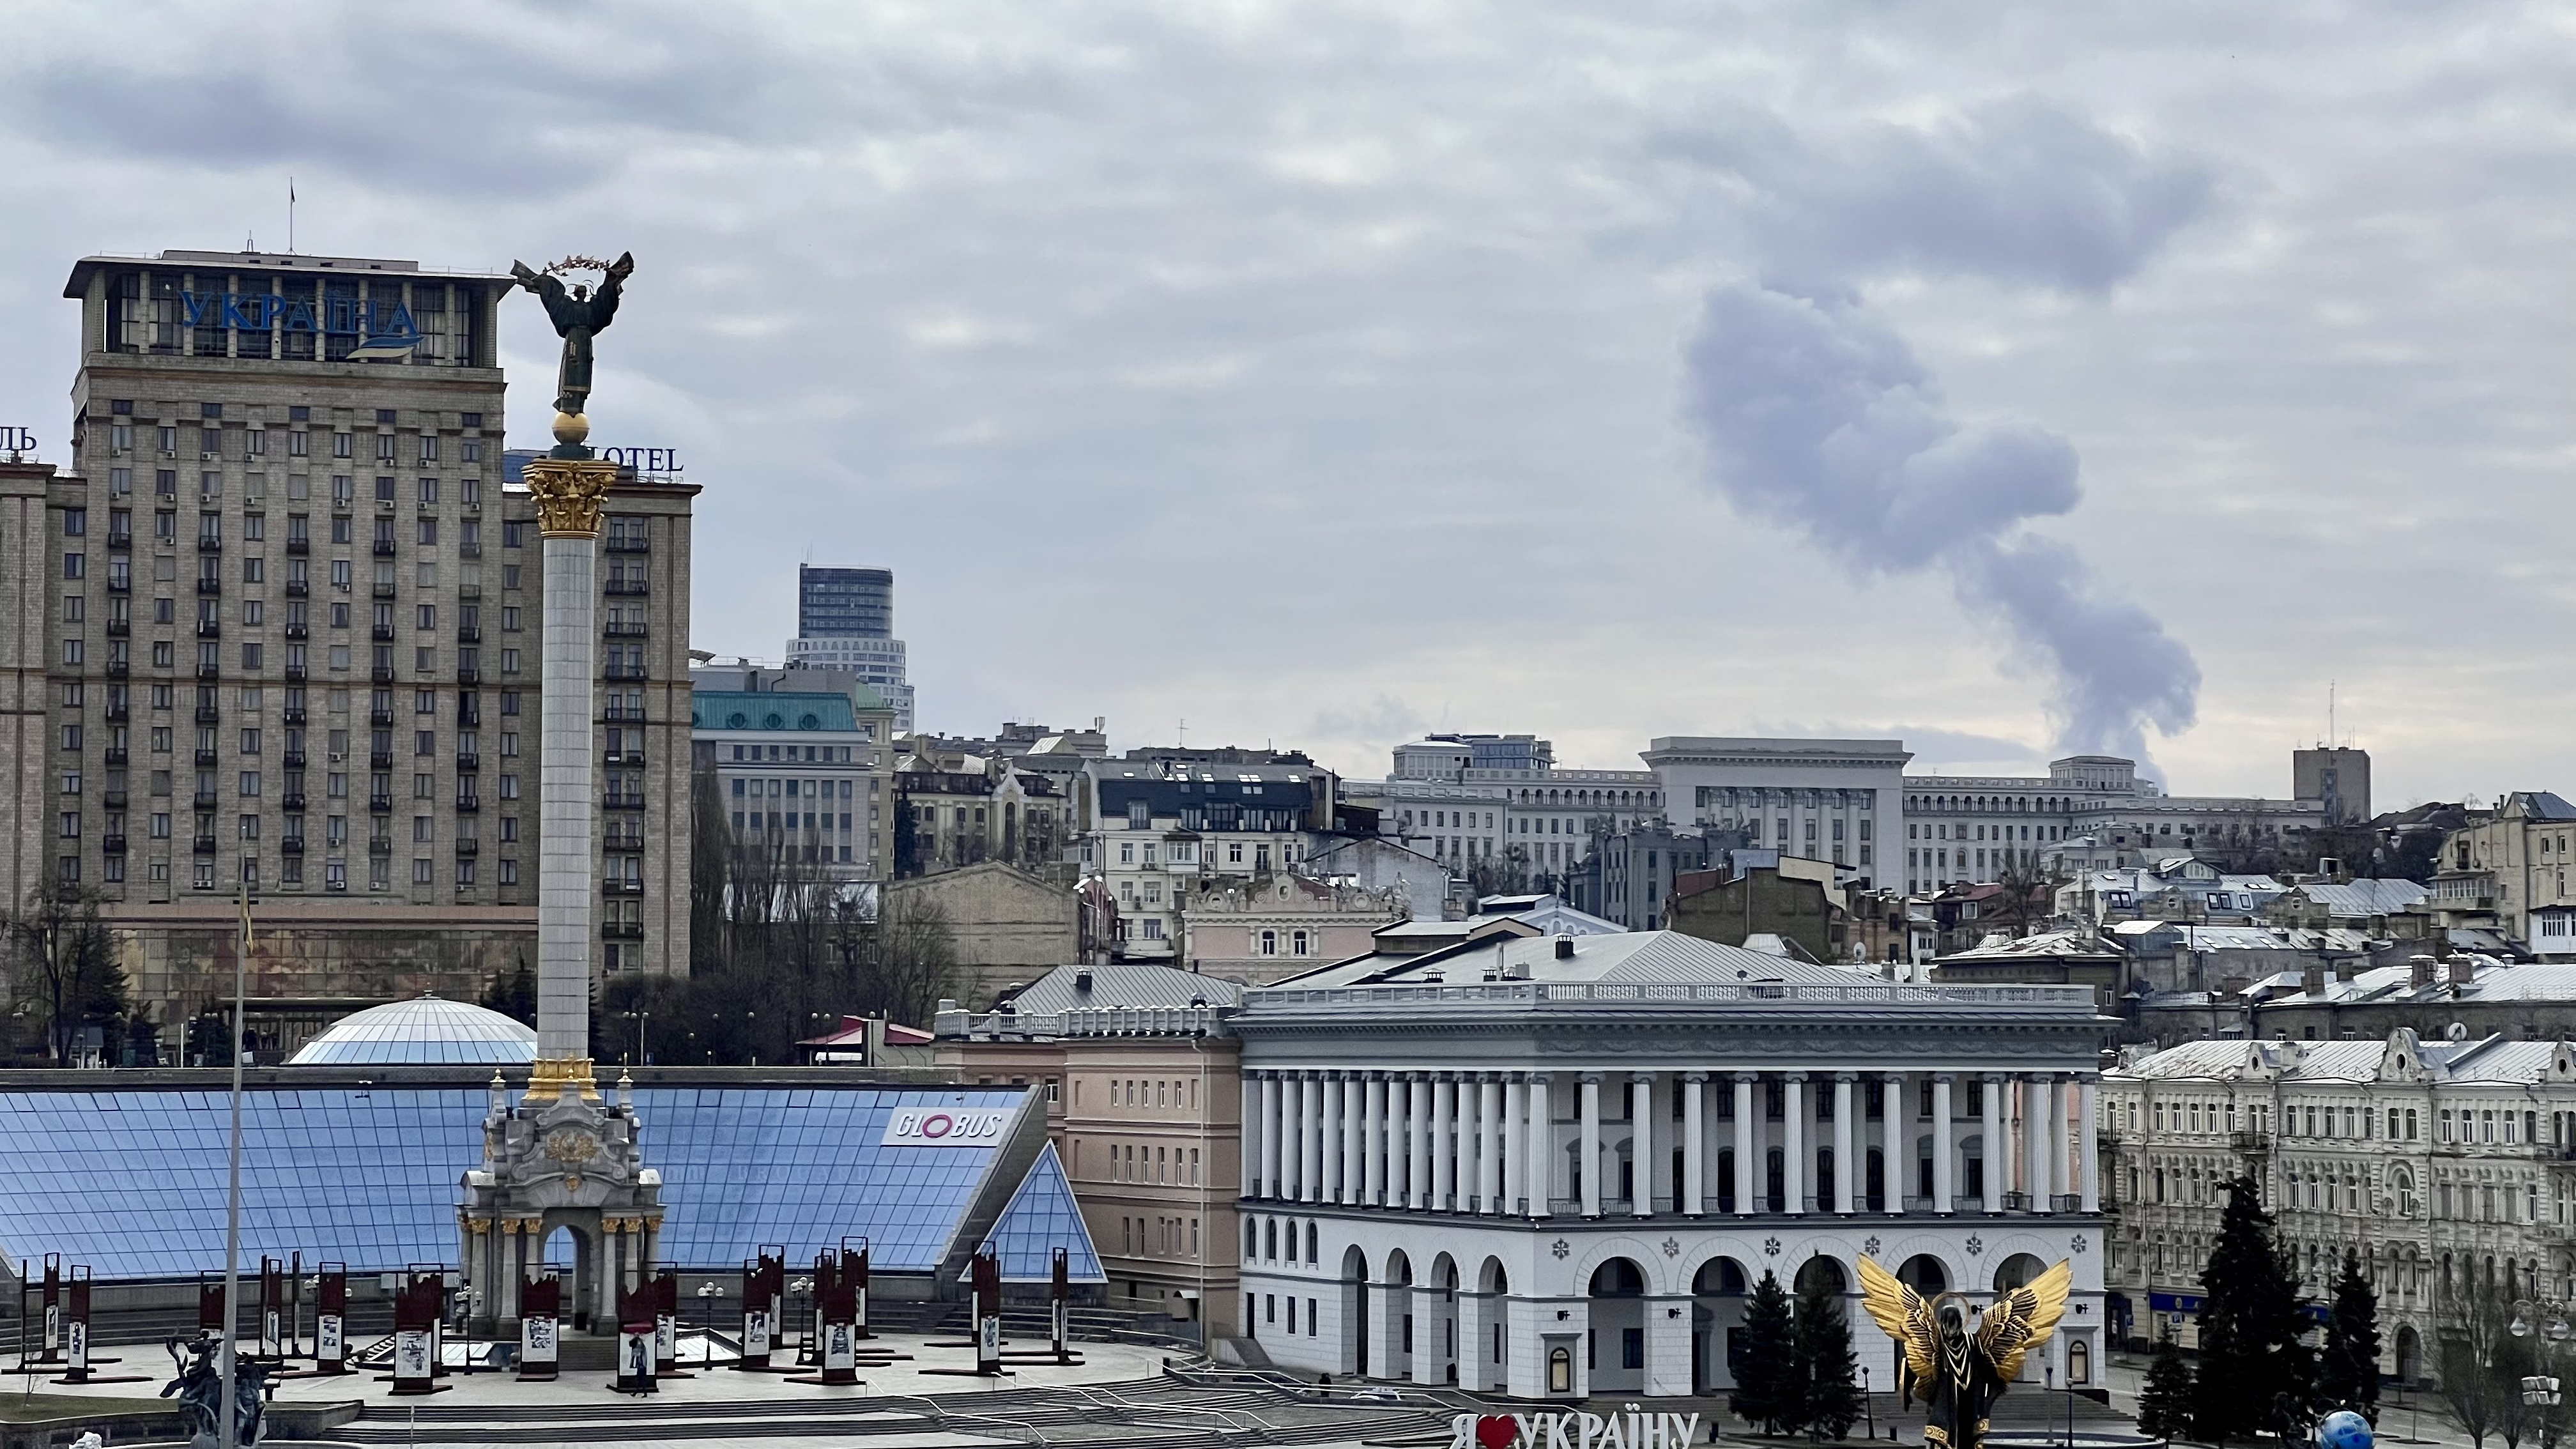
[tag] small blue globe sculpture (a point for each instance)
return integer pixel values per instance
(2344, 1429)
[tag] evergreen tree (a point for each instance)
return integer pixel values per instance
(2165, 1401)
(1771, 1384)
(513, 993)
(2255, 1375)
(1824, 1354)
(2348, 1370)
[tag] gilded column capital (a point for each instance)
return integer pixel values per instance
(568, 494)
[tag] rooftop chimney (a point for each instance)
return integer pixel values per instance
(1565, 948)
(2420, 970)
(2464, 970)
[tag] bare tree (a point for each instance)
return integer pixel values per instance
(64, 960)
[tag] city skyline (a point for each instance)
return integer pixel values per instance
(1443, 346)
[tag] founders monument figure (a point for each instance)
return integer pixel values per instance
(1958, 1360)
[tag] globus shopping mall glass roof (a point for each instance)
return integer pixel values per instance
(132, 1181)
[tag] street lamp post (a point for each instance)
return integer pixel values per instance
(2540, 1391)
(708, 1292)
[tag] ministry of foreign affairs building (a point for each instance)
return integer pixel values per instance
(277, 625)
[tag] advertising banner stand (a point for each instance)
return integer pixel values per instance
(984, 1278)
(79, 1364)
(272, 1308)
(417, 1307)
(331, 1319)
(764, 1296)
(53, 1304)
(540, 1327)
(665, 1305)
(854, 1262)
(637, 1313)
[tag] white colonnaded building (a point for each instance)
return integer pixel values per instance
(1555, 1166)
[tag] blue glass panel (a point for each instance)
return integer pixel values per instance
(1043, 1217)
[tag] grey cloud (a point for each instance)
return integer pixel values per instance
(1817, 416)
(2017, 191)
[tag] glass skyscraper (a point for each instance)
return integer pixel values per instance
(845, 620)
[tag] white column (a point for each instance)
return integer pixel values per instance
(1373, 1150)
(1844, 1166)
(1746, 1169)
(2060, 1161)
(1489, 1146)
(1793, 1143)
(1254, 1135)
(1310, 1138)
(1539, 1175)
(1515, 1153)
(1998, 1164)
(2090, 1105)
(1896, 1141)
(1328, 1146)
(1417, 1122)
(1641, 1144)
(1944, 1147)
(2034, 1141)
(1444, 1154)
(1464, 1134)
(568, 793)
(1354, 1137)
(1272, 1137)
(1694, 1183)
(1591, 1159)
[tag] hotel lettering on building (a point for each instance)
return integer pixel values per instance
(279, 628)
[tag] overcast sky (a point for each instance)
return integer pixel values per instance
(2003, 377)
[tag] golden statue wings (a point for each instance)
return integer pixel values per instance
(1905, 1317)
(2022, 1319)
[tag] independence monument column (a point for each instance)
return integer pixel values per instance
(569, 483)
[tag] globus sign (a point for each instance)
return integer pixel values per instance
(1631, 1430)
(946, 1127)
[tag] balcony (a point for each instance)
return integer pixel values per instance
(382, 591)
(210, 586)
(627, 672)
(115, 800)
(119, 628)
(205, 799)
(623, 629)
(116, 585)
(468, 805)
(292, 759)
(299, 545)
(208, 714)
(380, 804)
(206, 760)
(468, 634)
(120, 541)
(297, 588)
(298, 631)
(2253, 1144)
(382, 719)
(384, 548)
(116, 756)
(469, 762)
(621, 888)
(295, 674)
(118, 669)
(621, 931)
(627, 588)
(205, 845)
(625, 757)
(210, 545)
(292, 845)
(207, 629)
(380, 762)
(382, 633)
(381, 674)
(295, 714)
(469, 847)
(627, 543)
(112, 844)
(623, 802)
(209, 671)
(380, 845)
(293, 802)
(469, 550)
(468, 674)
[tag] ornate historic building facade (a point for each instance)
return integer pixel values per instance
(1554, 1166)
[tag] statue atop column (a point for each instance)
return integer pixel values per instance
(579, 313)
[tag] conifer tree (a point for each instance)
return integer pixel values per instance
(2348, 1370)
(2255, 1375)
(1824, 1352)
(2165, 1401)
(1770, 1382)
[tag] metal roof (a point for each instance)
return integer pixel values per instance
(1124, 984)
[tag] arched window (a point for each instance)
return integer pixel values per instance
(1312, 1238)
(1270, 943)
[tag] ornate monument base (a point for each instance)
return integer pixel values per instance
(564, 1157)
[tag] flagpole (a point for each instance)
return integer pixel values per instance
(290, 216)
(228, 1434)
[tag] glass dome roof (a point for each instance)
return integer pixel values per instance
(425, 1031)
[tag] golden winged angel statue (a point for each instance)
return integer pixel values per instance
(1958, 1361)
